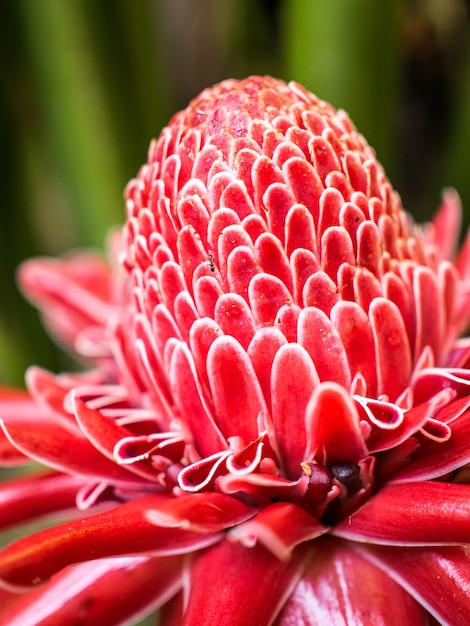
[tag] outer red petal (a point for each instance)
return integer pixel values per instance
(233, 585)
(279, 527)
(111, 592)
(434, 459)
(35, 495)
(341, 588)
(421, 513)
(104, 434)
(439, 578)
(56, 447)
(185, 524)
(72, 293)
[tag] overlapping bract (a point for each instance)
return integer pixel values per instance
(278, 383)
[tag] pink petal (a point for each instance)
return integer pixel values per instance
(303, 263)
(252, 598)
(235, 195)
(264, 174)
(255, 226)
(9, 455)
(207, 291)
(431, 380)
(73, 292)
(221, 219)
(336, 249)
(192, 210)
(88, 592)
(368, 247)
(331, 202)
(185, 313)
(324, 156)
(241, 267)
(287, 321)
(320, 291)
(341, 588)
(234, 317)
(262, 350)
(351, 218)
(304, 182)
(391, 346)
(429, 328)
(438, 578)
(299, 230)
(267, 294)
(333, 429)
(407, 514)
(203, 473)
(396, 290)
(356, 173)
(236, 392)
(278, 199)
(203, 332)
(366, 287)
(171, 282)
(231, 238)
(320, 338)
(289, 396)
(191, 251)
(353, 327)
(194, 409)
(445, 228)
(272, 258)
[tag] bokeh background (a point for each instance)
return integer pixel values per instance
(85, 85)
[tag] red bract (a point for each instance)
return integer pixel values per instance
(276, 426)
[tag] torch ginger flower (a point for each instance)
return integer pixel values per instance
(276, 426)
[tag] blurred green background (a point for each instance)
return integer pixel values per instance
(85, 85)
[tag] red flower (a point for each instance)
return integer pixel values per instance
(276, 428)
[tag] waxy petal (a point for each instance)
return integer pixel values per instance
(438, 578)
(340, 587)
(353, 327)
(290, 396)
(320, 338)
(234, 317)
(267, 294)
(266, 583)
(190, 398)
(333, 429)
(279, 527)
(127, 529)
(88, 591)
(439, 513)
(56, 448)
(392, 350)
(36, 495)
(262, 350)
(237, 395)
(73, 292)
(434, 459)
(105, 434)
